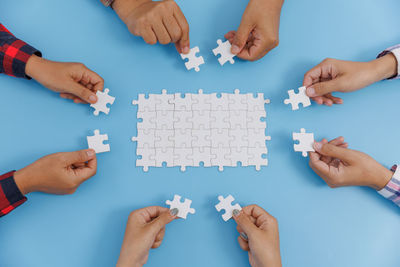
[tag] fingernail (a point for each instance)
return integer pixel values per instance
(174, 211)
(236, 212)
(244, 236)
(90, 153)
(317, 146)
(310, 91)
(186, 50)
(92, 99)
(235, 49)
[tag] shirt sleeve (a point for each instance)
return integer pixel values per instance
(395, 50)
(10, 196)
(14, 54)
(392, 190)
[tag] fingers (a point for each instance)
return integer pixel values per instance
(95, 81)
(159, 238)
(323, 88)
(149, 36)
(79, 156)
(344, 154)
(83, 93)
(173, 28)
(163, 218)
(243, 244)
(244, 222)
(161, 32)
(241, 36)
(183, 43)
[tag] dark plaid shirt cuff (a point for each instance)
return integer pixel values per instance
(10, 196)
(14, 54)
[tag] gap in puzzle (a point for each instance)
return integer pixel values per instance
(217, 129)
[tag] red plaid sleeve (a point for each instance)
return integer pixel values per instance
(10, 196)
(14, 54)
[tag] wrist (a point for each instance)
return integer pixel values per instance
(124, 7)
(383, 179)
(22, 181)
(33, 66)
(385, 67)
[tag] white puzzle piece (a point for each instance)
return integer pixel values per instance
(226, 204)
(217, 129)
(145, 104)
(146, 157)
(224, 49)
(193, 61)
(299, 98)
(306, 141)
(103, 99)
(96, 142)
(183, 207)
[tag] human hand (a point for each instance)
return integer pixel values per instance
(258, 32)
(145, 230)
(333, 75)
(72, 80)
(340, 166)
(259, 235)
(161, 21)
(60, 173)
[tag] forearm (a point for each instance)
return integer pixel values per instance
(385, 67)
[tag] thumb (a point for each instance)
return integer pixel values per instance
(243, 220)
(323, 88)
(165, 218)
(344, 154)
(241, 37)
(83, 93)
(79, 156)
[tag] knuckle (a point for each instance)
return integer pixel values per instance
(150, 41)
(165, 41)
(273, 41)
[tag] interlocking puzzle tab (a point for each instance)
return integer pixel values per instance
(96, 142)
(226, 204)
(296, 99)
(217, 129)
(224, 49)
(193, 61)
(306, 141)
(103, 98)
(183, 207)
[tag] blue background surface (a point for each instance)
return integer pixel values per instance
(319, 226)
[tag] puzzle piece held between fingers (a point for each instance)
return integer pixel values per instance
(306, 141)
(103, 98)
(96, 142)
(296, 99)
(183, 207)
(193, 60)
(224, 49)
(226, 204)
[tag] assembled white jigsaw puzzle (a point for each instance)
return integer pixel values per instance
(224, 49)
(103, 99)
(306, 141)
(201, 130)
(96, 142)
(299, 98)
(193, 61)
(183, 207)
(226, 204)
